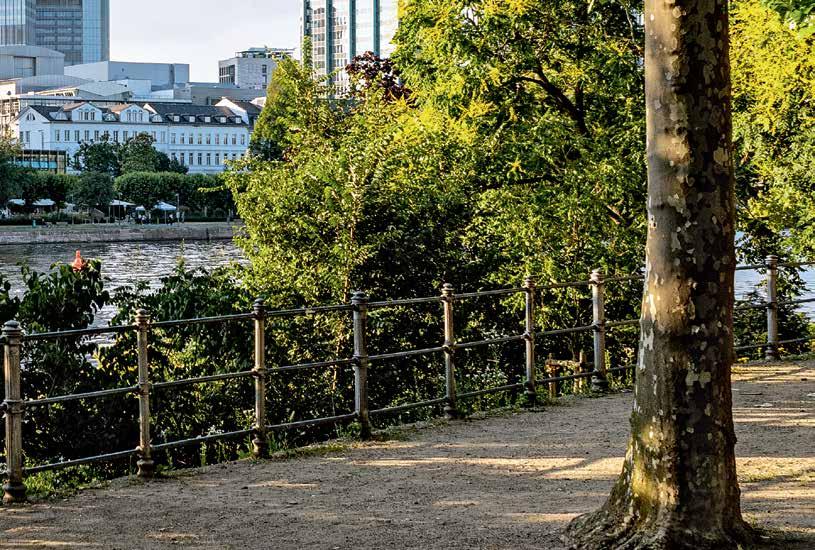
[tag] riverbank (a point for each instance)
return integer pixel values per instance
(113, 233)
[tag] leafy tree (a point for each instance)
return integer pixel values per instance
(92, 189)
(148, 188)
(103, 156)
(139, 155)
(167, 164)
(369, 71)
(295, 102)
(47, 185)
(12, 177)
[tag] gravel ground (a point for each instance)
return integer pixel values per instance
(503, 482)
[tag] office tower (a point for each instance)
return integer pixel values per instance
(251, 68)
(17, 18)
(342, 29)
(80, 29)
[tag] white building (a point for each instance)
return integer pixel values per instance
(252, 68)
(203, 138)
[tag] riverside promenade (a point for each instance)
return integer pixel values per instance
(112, 233)
(507, 481)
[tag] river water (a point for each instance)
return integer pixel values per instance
(126, 263)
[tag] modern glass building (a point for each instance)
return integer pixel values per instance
(17, 18)
(78, 28)
(342, 29)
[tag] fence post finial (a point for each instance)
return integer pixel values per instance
(259, 446)
(772, 352)
(359, 301)
(600, 381)
(451, 405)
(14, 488)
(146, 466)
(529, 337)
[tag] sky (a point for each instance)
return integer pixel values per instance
(199, 32)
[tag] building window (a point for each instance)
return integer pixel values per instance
(217, 139)
(116, 136)
(182, 139)
(189, 155)
(209, 139)
(163, 137)
(96, 135)
(154, 136)
(217, 159)
(87, 135)
(172, 138)
(234, 139)
(200, 139)
(200, 159)
(56, 134)
(76, 136)
(67, 135)
(243, 139)
(124, 135)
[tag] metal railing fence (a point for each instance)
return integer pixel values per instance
(13, 338)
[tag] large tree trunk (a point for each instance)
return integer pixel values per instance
(678, 488)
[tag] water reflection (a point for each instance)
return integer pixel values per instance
(122, 263)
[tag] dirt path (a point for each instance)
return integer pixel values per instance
(507, 482)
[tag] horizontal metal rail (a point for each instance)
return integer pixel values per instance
(409, 406)
(204, 379)
(750, 346)
(569, 284)
(558, 332)
(404, 302)
(624, 279)
(317, 365)
(795, 264)
(484, 293)
(79, 461)
(794, 302)
(491, 341)
(203, 320)
(797, 340)
(497, 389)
(306, 311)
(747, 306)
(201, 439)
(80, 396)
(401, 354)
(313, 422)
(626, 323)
(750, 267)
(39, 336)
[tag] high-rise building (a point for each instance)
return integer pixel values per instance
(17, 18)
(251, 68)
(80, 29)
(342, 29)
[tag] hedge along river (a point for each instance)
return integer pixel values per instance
(127, 263)
(123, 263)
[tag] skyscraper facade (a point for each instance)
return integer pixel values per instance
(342, 29)
(17, 19)
(78, 28)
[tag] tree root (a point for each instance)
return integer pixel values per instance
(602, 530)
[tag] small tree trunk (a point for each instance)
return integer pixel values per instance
(678, 488)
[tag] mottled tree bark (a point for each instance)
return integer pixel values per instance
(678, 488)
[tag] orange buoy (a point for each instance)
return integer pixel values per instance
(79, 263)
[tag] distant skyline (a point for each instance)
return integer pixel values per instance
(199, 32)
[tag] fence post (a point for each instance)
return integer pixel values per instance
(360, 302)
(772, 353)
(259, 447)
(599, 381)
(145, 462)
(13, 489)
(552, 372)
(448, 298)
(529, 337)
